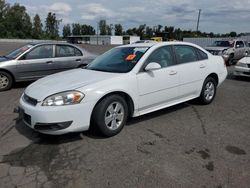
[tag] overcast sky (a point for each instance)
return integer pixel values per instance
(217, 16)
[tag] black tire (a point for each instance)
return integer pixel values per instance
(6, 81)
(230, 60)
(205, 98)
(101, 112)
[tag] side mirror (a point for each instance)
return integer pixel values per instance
(152, 66)
(237, 46)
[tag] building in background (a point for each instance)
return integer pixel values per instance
(203, 42)
(102, 39)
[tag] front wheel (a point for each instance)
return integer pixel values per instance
(208, 91)
(230, 60)
(110, 115)
(5, 81)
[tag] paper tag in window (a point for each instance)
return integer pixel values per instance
(130, 57)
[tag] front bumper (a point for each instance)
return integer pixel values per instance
(241, 71)
(56, 120)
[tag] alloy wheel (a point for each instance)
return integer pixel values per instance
(209, 91)
(114, 115)
(4, 81)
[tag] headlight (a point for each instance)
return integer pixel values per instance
(242, 64)
(64, 98)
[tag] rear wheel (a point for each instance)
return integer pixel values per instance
(110, 115)
(208, 91)
(5, 81)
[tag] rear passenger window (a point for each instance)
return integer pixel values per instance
(78, 52)
(185, 54)
(67, 51)
(202, 55)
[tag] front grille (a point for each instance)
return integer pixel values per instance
(30, 100)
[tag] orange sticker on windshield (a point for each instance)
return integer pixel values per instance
(131, 57)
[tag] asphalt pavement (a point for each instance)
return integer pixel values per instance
(187, 145)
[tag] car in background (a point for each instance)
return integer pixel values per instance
(242, 68)
(144, 41)
(230, 50)
(127, 81)
(34, 61)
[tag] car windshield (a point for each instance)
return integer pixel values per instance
(222, 43)
(14, 54)
(118, 60)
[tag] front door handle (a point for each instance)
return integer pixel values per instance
(78, 60)
(49, 62)
(172, 72)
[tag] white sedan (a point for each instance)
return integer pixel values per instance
(127, 81)
(242, 68)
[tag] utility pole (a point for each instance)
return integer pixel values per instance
(198, 21)
(97, 33)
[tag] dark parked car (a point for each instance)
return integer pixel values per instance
(34, 61)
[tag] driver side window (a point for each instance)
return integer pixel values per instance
(163, 56)
(40, 52)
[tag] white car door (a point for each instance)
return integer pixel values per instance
(191, 69)
(158, 87)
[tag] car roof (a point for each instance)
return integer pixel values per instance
(159, 44)
(40, 43)
(139, 45)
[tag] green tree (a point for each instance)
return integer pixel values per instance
(103, 27)
(141, 31)
(87, 30)
(52, 26)
(118, 29)
(233, 34)
(149, 32)
(37, 29)
(109, 29)
(170, 31)
(3, 11)
(66, 31)
(76, 29)
(17, 22)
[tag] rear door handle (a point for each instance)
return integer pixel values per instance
(78, 60)
(172, 72)
(49, 62)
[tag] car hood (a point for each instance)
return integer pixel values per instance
(245, 60)
(217, 48)
(65, 81)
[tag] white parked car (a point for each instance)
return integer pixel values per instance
(242, 68)
(127, 81)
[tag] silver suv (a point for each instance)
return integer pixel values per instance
(231, 50)
(34, 61)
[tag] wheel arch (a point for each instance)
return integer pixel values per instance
(126, 96)
(10, 73)
(214, 76)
